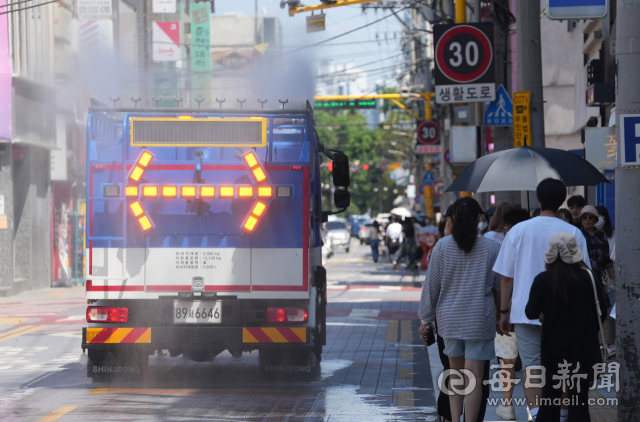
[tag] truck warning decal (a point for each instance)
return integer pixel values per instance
(274, 335)
(118, 335)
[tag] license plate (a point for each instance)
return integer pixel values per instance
(196, 312)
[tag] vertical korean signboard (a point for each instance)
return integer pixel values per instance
(522, 119)
(5, 80)
(200, 53)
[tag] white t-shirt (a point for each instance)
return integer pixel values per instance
(522, 258)
(394, 231)
(497, 237)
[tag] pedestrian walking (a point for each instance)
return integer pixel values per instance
(497, 228)
(520, 260)
(600, 257)
(565, 215)
(394, 240)
(459, 291)
(374, 240)
(409, 244)
(507, 345)
(443, 405)
(607, 229)
(563, 299)
(575, 204)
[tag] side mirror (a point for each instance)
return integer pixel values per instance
(340, 171)
(342, 198)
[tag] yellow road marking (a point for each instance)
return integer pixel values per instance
(12, 321)
(21, 331)
(405, 398)
(99, 390)
(392, 331)
(15, 330)
(405, 373)
(64, 290)
(338, 261)
(57, 414)
(406, 354)
(406, 333)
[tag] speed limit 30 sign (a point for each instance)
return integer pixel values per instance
(464, 70)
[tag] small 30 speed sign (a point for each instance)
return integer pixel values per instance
(428, 133)
(463, 53)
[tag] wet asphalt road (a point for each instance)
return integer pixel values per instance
(374, 368)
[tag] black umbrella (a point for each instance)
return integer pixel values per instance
(523, 168)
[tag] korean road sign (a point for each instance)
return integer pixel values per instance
(500, 111)
(522, 119)
(630, 139)
(577, 9)
(438, 188)
(428, 179)
(428, 133)
(464, 70)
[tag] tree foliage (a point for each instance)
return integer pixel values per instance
(349, 132)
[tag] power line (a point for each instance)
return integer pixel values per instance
(13, 3)
(29, 7)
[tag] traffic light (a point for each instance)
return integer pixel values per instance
(330, 165)
(365, 167)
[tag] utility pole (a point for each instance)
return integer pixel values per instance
(627, 54)
(530, 71)
(530, 64)
(503, 136)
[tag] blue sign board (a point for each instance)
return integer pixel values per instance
(577, 9)
(428, 179)
(630, 139)
(500, 110)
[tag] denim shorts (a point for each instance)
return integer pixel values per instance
(470, 349)
(529, 338)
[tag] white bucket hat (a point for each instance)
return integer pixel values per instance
(565, 247)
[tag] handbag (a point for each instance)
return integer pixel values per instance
(606, 282)
(603, 351)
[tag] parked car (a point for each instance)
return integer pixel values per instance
(358, 221)
(363, 234)
(383, 218)
(338, 235)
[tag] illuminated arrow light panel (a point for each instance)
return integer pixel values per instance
(254, 165)
(142, 163)
(202, 191)
(143, 218)
(254, 216)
